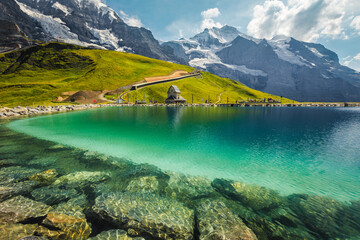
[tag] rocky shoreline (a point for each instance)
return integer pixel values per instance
(18, 111)
(50, 191)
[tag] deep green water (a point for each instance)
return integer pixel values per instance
(291, 150)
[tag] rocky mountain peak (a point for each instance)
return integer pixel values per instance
(88, 23)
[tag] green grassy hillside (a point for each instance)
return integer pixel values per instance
(40, 74)
(210, 88)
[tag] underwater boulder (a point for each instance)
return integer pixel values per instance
(19, 209)
(267, 226)
(256, 197)
(68, 219)
(53, 195)
(70, 226)
(147, 214)
(81, 179)
(350, 218)
(47, 177)
(116, 234)
(16, 174)
(52, 234)
(185, 188)
(17, 231)
(133, 171)
(33, 238)
(285, 216)
(216, 221)
(9, 190)
(320, 214)
(144, 185)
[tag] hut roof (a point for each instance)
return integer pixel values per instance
(176, 89)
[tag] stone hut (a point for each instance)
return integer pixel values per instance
(174, 95)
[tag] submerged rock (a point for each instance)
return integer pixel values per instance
(256, 197)
(20, 209)
(115, 235)
(16, 174)
(147, 214)
(320, 214)
(144, 185)
(53, 234)
(69, 227)
(267, 227)
(133, 171)
(33, 238)
(17, 231)
(185, 187)
(216, 221)
(68, 219)
(81, 179)
(52, 195)
(46, 177)
(9, 190)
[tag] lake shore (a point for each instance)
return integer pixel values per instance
(19, 111)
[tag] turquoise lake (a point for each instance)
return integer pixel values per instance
(291, 150)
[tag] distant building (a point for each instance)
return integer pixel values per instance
(174, 95)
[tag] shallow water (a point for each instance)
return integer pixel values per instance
(291, 150)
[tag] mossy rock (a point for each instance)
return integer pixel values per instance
(256, 197)
(70, 227)
(147, 214)
(20, 209)
(216, 221)
(9, 190)
(267, 226)
(17, 231)
(16, 174)
(47, 177)
(52, 195)
(115, 234)
(144, 185)
(320, 214)
(186, 188)
(81, 180)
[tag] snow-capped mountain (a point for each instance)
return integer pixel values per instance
(282, 66)
(83, 22)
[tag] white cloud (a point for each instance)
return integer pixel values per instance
(211, 13)
(305, 20)
(131, 20)
(353, 62)
(208, 18)
(355, 23)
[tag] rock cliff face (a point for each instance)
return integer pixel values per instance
(11, 37)
(281, 66)
(84, 22)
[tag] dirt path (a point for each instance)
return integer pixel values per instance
(219, 98)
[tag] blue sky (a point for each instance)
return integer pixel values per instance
(333, 23)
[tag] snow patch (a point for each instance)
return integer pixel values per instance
(53, 26)
(315, 51)
(212, 58)
(62, 8)
(105, 37)
(281, 48)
